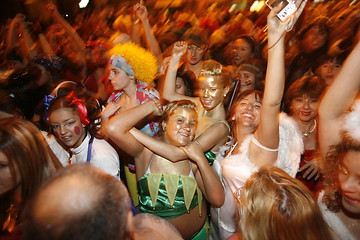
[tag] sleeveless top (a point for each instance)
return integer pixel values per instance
(168, 195)
(237, 168)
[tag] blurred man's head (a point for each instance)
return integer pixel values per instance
(80, 202)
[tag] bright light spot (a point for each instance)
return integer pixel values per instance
(256, 6)
(83, 3)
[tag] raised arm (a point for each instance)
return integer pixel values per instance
(267, 132)
(152, 43)
(169, 92)
(208, 139)
(118, 130)
(337, 99)
(79, 43)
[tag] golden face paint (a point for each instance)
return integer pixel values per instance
(212, 91)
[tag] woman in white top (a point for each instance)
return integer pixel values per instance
(73, 125)
(340, 146)
(257, 128)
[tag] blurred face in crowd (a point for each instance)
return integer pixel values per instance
(304, 108)
(195, 54)
(180, 86)
(240, 51)
(67, 127)
(314, 39)
(328, 71)
(247, 111)
(246, 78)
(118, 78)
(349, 179)
(7, 181)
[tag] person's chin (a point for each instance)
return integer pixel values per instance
(351, 206)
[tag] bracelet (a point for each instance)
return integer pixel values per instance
(157, 104)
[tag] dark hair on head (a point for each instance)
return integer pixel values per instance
(321, 22)
(335, 155)
(92, 106)
(239, 97)
(310, 86)
(189, 79)
(250, 40)
(339, 59)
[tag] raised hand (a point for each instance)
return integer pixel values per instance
(276, 26)
(51, 8)
(179, 49)
(141, 11)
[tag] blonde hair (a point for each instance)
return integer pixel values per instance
(274, 205)
(215, 69)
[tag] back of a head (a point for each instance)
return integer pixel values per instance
(277, 206)
(80, 202)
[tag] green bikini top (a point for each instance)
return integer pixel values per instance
(168, 195)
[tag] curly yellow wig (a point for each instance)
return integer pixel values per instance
(142, 62)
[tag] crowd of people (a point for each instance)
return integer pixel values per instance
(198, 122)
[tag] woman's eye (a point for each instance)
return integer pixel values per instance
(69, 123)
(180, 121)
(257, 106)
(298, 99)
(54, 126)
(314, 100)
(3, 165)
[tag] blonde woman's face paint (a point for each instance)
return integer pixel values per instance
(212, 92)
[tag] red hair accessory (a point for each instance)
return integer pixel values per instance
(81, 107)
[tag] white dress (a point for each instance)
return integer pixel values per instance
(237, 168)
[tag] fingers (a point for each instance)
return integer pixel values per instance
(317, 176)
(312, 174)
(305, 166)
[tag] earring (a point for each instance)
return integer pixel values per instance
(164, 128)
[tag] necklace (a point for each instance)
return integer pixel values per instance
(305, 134)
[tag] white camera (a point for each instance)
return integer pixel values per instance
(289, 8)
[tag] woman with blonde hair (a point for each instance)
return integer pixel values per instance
(273, 205)
(174, 190)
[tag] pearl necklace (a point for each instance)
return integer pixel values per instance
(306, 134)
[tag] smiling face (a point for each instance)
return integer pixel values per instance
(7, 182)
(67, 127)
(180, 128)
(118, 78)
(240, 51)
(314, 39)
(304, 108)
(247, 111)
(211, 91)
(349, 179)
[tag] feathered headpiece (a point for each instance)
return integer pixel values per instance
(352, 122)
